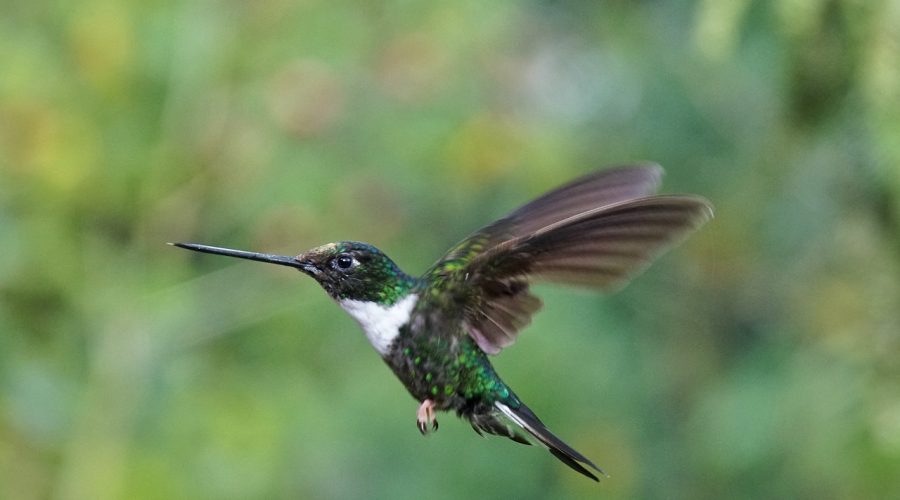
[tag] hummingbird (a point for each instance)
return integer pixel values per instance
(437, 331)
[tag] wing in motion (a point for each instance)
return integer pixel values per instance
(598, 231)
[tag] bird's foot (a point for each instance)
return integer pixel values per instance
(425, 417)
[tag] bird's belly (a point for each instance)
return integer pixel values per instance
(453, 373)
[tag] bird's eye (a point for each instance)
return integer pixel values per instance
(343, 262)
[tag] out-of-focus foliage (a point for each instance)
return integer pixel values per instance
(759, 360)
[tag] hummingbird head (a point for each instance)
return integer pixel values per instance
(350, 270)
(347, 270)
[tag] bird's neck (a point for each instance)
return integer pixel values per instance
(384, 286)
(381, 322)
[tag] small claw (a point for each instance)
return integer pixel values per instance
(425, 416)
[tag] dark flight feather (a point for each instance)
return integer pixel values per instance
(601, 188)
(598, 231)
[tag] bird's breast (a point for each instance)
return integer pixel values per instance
(381, 323)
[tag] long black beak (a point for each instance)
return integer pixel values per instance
(281, 260)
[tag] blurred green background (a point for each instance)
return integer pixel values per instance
(760, 359)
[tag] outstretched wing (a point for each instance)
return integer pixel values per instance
(598, 231)
(601, 188)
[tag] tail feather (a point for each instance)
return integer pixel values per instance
(526, 419)
(492, 423)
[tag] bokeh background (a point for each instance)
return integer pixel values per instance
(760, 359)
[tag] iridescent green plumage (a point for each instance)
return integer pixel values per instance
(436, 332)
(378, 280)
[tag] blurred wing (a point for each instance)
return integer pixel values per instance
(605, 187)
(602, 248)
(582, 239)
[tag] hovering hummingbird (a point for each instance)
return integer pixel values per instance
(436, 331)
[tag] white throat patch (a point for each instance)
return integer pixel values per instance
(381, 323)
